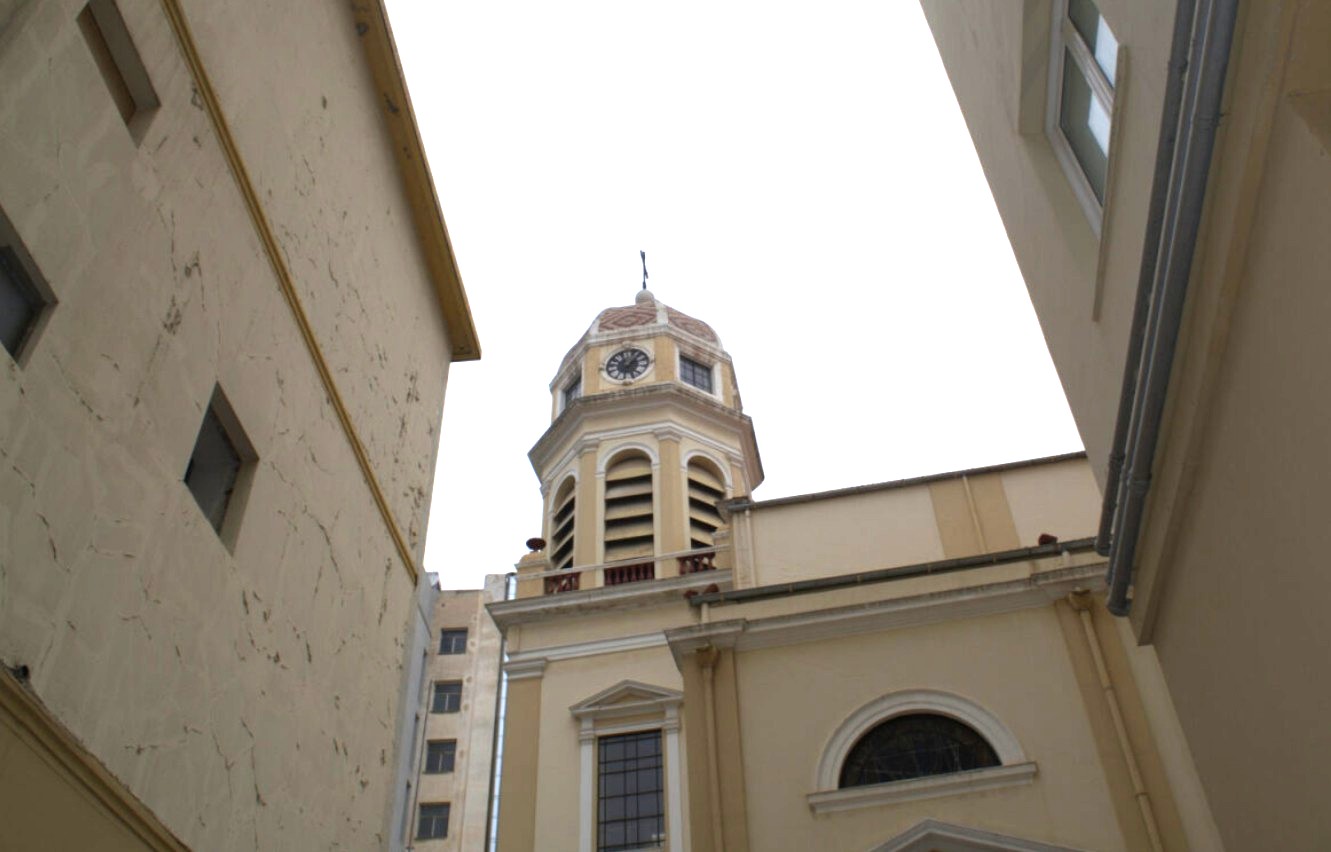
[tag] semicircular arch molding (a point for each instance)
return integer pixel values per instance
(618, 451)
(721, 470)
(895, 704)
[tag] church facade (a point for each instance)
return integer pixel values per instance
(907, 665)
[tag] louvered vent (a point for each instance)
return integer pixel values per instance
(628, 508)
(706, 490)
(561, 526)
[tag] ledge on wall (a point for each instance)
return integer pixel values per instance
(851, 798)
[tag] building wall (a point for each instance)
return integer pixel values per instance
(467, 788)
(1223, 587)
(247, 695)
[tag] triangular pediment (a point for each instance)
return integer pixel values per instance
(628, 697)
(932, 835)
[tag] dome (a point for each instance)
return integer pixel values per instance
(647, 311)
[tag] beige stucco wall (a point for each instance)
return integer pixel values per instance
(813, 687)
(994, 54)
(249, 698)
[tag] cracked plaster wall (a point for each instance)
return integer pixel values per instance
(248, 698)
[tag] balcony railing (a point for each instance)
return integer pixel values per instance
(625, 571)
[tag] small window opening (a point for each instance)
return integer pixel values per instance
(447, 697)
(572, 391)
(118, 60)
(1084, 73)
(695, 373)
(20, 302)
(218, 470)
(453, 641)
(440, 756)
(433, 822)
(561, 524)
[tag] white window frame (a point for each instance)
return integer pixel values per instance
(1064, 39)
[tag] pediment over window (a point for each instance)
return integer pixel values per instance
(628, 698)
(932, 835)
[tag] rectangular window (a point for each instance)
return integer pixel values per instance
(695, 373)
(447, 697)
(631, 795)
(1084, 69)
(439, 756)
(20, 302)
(218, 470)
(453, 641)
(572, 390)
(113, 50)
(433, 821)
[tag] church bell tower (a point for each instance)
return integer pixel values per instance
(647, 438)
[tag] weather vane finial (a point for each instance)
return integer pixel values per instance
(644, 268)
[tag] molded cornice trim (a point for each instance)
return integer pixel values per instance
(626, 596)
(872, 795)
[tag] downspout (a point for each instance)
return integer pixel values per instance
(497, 738)
(1188, 128)
(1082, 602)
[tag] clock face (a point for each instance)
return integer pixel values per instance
(627, 364)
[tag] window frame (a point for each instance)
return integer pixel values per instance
(698, 365)
(441, 816)
(452, 633)
(606, 739)
(447, 754)
(1064, 40)
(436, 692)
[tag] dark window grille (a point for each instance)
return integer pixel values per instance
(453, 641)
(631, 800)
(572, 390)
(20, 302)
(447, 697)
(439, 756)
(694, 373)
(213, 468)
(433, 822)
(914, 746)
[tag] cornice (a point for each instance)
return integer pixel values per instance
(852, 798)
(376, 36)
(551, 449)
(603, 599)
(595, 648)
(1032, 592)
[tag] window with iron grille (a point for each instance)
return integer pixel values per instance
(572, 390)
(453, 641)
(433, 821)
(913, 746)
(447, 697)
(695, 373)
(631, 798)
(439, 756)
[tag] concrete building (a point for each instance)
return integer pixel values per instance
(1164, 176)
(456, 721)
(915, 665)
(229, 305)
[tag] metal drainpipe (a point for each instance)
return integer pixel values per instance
(497, 738)
(1081, 602)
(1212, 33)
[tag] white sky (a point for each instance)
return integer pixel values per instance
(801, 179)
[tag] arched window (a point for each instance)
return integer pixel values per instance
(628, 507)
(563, 512)
(915, 745)
(706, 489)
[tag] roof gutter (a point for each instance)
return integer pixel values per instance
(883, 575)
(1199, 59)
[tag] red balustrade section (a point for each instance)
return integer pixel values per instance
(635, 573)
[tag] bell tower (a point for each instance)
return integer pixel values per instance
(647, 438)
